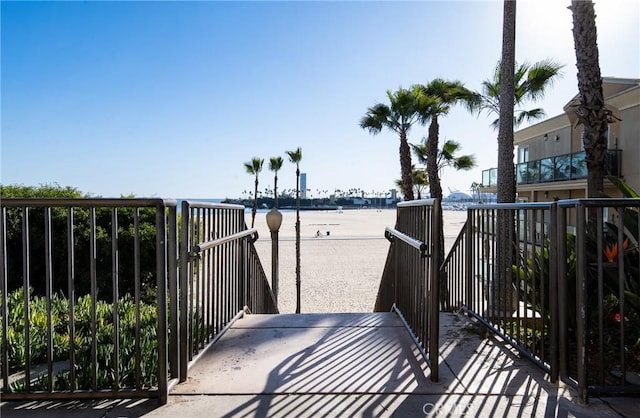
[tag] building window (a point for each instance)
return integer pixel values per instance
(523, 154)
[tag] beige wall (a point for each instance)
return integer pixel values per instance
(623, 99)
(629, 142)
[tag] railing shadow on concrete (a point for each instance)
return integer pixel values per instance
(348, 356)
(65, 261)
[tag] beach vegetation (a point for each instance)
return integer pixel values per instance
(254, 167)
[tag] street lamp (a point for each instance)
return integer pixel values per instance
(274, 220)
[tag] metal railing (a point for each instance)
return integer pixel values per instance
(221, 275)
(83, 313)
(93, 306)
(569, 300)
(600, 326)
(410, 281)
(513, 301)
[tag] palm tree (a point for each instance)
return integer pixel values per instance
(420, 181)
(590, 111)
(503, 277)
(275, 164)
(295, 157)
(531, 82)
(254, 167)
(399, 116)
(443, 95)
(446, 156)
(475, 190)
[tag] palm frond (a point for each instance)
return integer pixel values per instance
(254, 166)
(295, 156)
(275, 163)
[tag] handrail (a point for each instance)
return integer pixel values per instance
(87, 203)
(410, 281)
(219, 241)
(390, 233)
(455, 245)
(420, 202)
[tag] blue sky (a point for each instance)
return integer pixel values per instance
(169, 99)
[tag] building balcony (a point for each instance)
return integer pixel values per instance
(553, 169)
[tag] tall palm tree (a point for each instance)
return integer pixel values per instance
(254, 167)
(443, 96)
(591, 111)
(440, 95)
(503, 277)
(531, 82)
(275, 164)
(295, 157)
(399, 116)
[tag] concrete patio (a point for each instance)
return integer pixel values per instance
(348, 365)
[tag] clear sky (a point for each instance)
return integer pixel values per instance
(169, 99)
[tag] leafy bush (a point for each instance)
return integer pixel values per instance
(82, 347)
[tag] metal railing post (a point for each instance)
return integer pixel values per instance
(174, 294)
(434, 309)
(161, 269)
(553, 289)
(185, 274)
(581, 312)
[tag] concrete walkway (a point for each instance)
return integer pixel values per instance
(349, 365)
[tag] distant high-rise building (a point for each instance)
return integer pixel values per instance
(303, 185)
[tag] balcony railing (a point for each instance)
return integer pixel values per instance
(552, 169)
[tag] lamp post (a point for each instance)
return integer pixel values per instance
(274, 220)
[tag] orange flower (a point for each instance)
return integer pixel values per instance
(611, 252)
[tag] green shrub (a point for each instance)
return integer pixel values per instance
(83, 342)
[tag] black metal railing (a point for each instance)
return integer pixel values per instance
(84, 297)
(221, 275)
(570, 297)
(599, 295)
(558, 168)
(410, 281)
(92, 305)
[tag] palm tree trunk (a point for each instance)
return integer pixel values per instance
(297, 240)
(405, 166)
(506, 172)
(254, 209)
(275, 191)
(435, 189)
(502, 293)
(591, 110)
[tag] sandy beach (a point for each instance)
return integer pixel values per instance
(340, 271)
